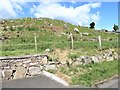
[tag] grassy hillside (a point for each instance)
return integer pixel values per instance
(17, 38)
(51, 34)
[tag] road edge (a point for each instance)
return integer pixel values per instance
(55, 78)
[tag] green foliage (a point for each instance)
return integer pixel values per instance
(53, 58)
(46, 38)
(99, 71)
(115, 27)
(52, 71)
(73, 56)
(89, 75)
(92, 25)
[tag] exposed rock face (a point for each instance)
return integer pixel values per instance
(34, 70)
(20, 72)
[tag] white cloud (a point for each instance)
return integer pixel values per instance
(80, 15)
(10, 9)
(6, 9)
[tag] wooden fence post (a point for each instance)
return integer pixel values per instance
(71, 36)
(80, 36)
(100, 45)
(35, 43)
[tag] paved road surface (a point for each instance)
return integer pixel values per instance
(34, 82)
(109, 84)
(45, 82)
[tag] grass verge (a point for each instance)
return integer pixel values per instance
(91, 74)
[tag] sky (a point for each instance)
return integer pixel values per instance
(104, 14)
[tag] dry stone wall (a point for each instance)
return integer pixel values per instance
(28, 66)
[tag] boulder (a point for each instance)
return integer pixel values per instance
(34, 70)
(65, 26)
(76, 30)
(20, 72)
(86, 34)
(95, 59)
(47, 50)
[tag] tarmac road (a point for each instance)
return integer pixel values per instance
(32, 82)
(113, 83)
(45, 82)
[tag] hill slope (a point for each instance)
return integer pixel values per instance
(52, 35)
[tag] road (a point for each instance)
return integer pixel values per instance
(45, 82)
(34, 82)
(113, 83)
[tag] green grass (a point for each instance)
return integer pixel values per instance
(89, 75)
(48, 39)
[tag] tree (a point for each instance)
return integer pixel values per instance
(92, 25)
(115, 27)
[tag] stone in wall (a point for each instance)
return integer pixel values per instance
(18, 64)
(34, 70)
(20, 72)
(26, 61)
(33, 63)
(6, 74)
(44, 60)
(76, 63)
(4, 64)
(87, 61)
(115, 56)
(51, 67)
(109, 58)
(101, 58)
(94, 59)
(12, 66)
